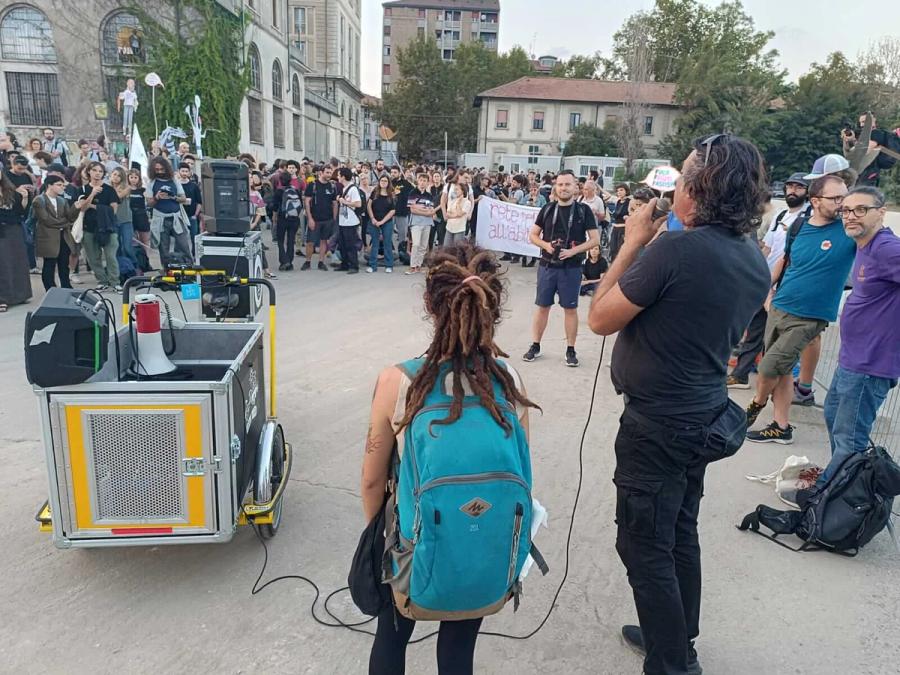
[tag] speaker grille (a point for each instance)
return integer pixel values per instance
(136, 456)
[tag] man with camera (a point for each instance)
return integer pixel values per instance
(878, 138)
(679, 307)
(563, 230)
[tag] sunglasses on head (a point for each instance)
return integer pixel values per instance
(707, 143)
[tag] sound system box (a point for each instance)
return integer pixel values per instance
(226, 196)
(66, 338)
(239, 256)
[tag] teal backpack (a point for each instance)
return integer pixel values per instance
(458, 527)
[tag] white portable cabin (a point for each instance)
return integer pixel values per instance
(513, 164)
(582, 165)
(474, 160)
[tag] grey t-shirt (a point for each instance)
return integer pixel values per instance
(421, 199)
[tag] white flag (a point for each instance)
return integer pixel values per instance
(137, 154)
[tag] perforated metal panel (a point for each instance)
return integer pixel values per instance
(136, 458)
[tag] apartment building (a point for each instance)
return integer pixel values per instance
(535, 116)
(450, 22)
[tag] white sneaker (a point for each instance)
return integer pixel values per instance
(369, 270)
(388, 270)
(74, 278)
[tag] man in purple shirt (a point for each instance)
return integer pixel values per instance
(869, 360)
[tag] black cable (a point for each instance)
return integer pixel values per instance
(353, 626)
(181, 304)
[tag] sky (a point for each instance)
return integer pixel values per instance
(806, 31)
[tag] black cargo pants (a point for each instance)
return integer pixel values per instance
(659, 484)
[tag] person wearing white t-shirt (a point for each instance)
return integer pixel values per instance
(795, 195)
(459, 208)
(348, 222)
(127, 104)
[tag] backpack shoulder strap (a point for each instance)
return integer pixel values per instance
(792, 233)
(778, 220)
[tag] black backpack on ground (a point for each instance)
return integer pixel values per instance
(845, 514)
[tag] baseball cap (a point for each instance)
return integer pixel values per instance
(827, 164)
(798, 179)
(21, 160)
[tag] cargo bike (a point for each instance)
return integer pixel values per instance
(135, 458)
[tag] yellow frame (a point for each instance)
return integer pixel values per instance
(193, 434)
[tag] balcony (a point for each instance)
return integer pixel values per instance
(321, 101)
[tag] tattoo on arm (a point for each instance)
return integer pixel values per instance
(372, 441)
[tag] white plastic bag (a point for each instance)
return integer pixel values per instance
(538, 518)
(78, 228)
(797, 473)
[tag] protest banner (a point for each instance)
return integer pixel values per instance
(504, 227)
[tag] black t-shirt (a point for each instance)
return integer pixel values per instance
(381, 206)
(699, 289)
(322, 197)
(192, 192)
(553, 220)
(593, 270)
(620, 211)
(402, 188)
(18, 180)
(107, 197)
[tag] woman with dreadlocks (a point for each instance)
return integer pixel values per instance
(464, 294)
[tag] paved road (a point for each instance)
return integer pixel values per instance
(189, 609)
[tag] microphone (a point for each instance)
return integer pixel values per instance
(662, 209)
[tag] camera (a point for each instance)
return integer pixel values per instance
(554, 261)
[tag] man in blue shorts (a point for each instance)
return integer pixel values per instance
(564, 230)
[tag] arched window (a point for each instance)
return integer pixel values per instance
(122, 40)
(255, 68)
(26, 35)
(277, 86)
(296, 94)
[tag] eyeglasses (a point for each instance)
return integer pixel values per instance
(834, 200)
(709, 142)
(858, 211)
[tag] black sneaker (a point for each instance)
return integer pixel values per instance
(571, 359)
(633, 638)
(772, 434)
(753, 411)
(322, 266)
(353, 270)
(534, 352)
(289, 267)
(305, 266)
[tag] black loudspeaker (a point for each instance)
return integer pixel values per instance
(226, 196)
(237, 256)
(66, 338)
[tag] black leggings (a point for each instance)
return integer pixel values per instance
(60, 263)
(455, 645)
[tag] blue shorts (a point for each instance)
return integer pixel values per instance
(564, 282)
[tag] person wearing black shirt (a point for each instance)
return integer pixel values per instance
(193, 199)
(98, 201)
(321, 209)
(563, 230)
(679, 307)
(594, 268)
(402, 188)
(619, 214)
(382, 208)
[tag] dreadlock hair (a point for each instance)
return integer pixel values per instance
(465, 312)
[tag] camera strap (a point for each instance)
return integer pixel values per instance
(556, 218)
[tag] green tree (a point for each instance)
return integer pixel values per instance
(196, 47)
(433, 96)
(590, 140)
(728, 83)
(809, 124)
(586, 67)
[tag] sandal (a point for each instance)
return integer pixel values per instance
(269, 275)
